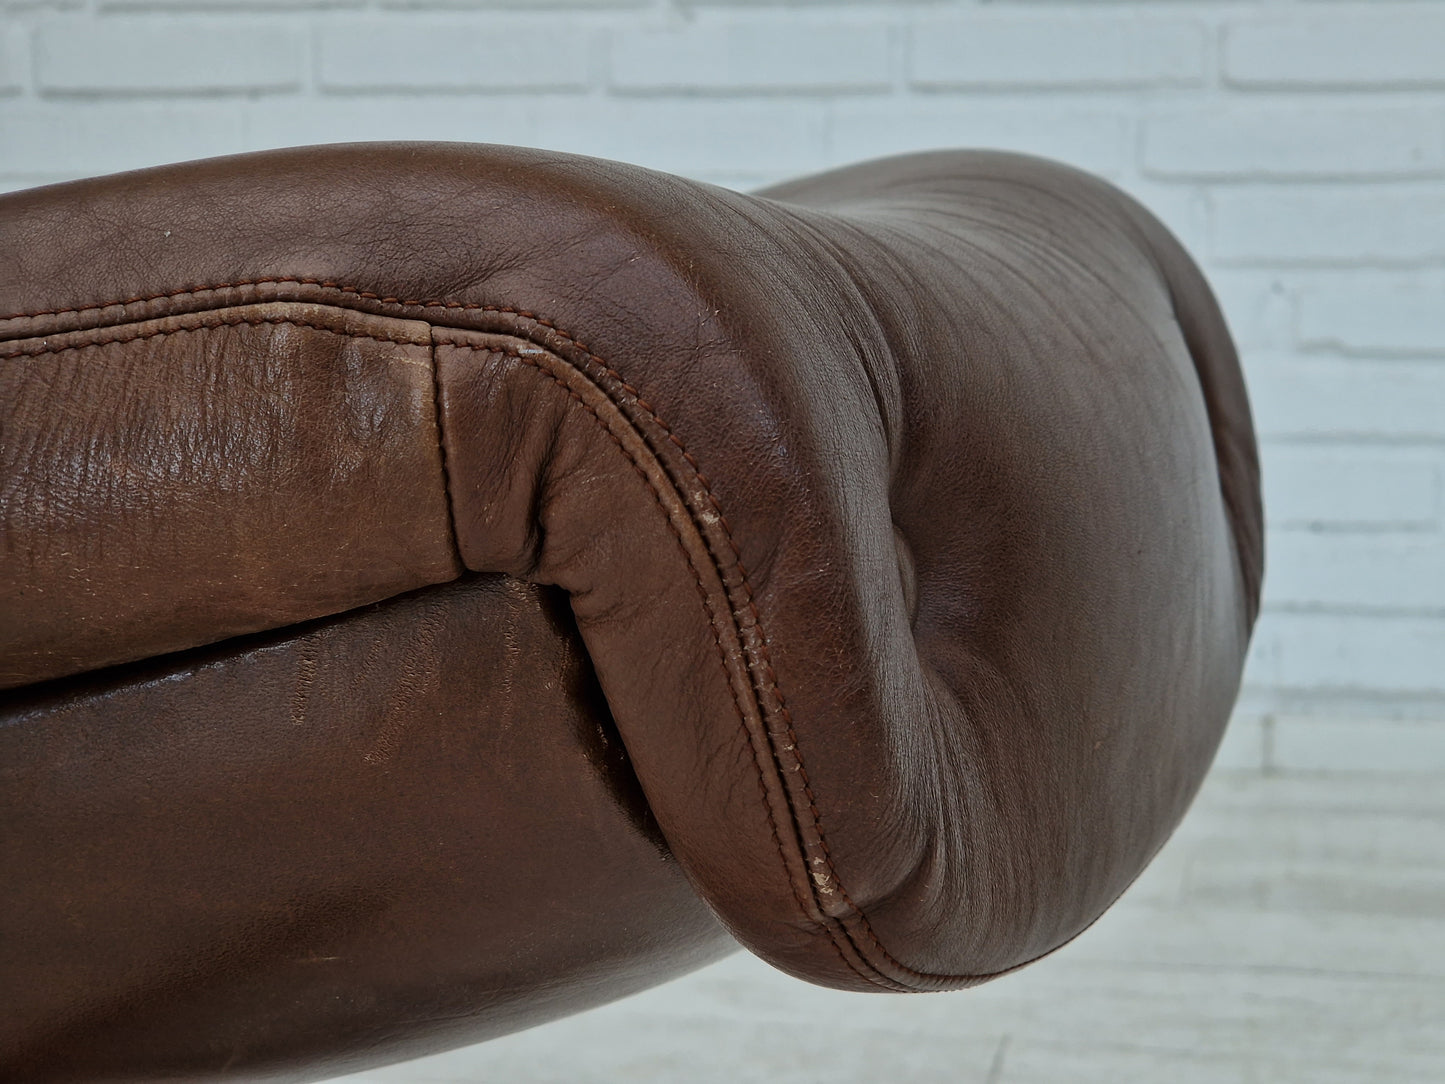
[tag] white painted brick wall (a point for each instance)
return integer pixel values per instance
(1373, 315)
(800, 53)
(1358, 571)
(183, 55)
(1350, 653)
(1056, 48)
(1346, 403)
(1346, 225)
(1370, 45)
(1302, 140)
(1319, 488)
(424, 54)
(1298, 146)
(13, 61)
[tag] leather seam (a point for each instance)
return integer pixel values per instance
(772, 679)
(697, 581)
(120, 340)
(194, 291)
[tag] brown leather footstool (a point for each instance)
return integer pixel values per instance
(444, 587)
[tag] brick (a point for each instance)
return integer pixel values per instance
(388, 54)
(1358, 745)
(1402, 573)
(75, 140)
(1386, 46)
(1056, 50)
(864, 128)
(1329, 224)
(1352, 653)
(1401, 317)
(777, 55)
(13, 62)
(1287, 882)
(1294, 141)
(754, 5)
(1328, 398)
(137, 56)
(1349, 486)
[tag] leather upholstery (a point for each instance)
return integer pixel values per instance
(902, 525)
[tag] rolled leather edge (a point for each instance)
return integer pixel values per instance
(992, 769)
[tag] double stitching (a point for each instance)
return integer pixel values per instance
(282, 280)
(773, 686)
(120, 340)
(702, 591)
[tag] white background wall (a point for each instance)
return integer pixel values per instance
(1297, 146)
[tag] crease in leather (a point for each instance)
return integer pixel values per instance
(440, 422)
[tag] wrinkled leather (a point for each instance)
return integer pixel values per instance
(908, 517)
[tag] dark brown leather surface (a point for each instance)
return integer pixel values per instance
(405, 829)
(909, 514)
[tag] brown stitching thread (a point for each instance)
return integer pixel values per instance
(44, 350)
(776, 690)
(323, 283)
(702, 593)
(773, 686)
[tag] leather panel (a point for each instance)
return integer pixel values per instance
(174, 482)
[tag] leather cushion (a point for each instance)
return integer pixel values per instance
(909, 514)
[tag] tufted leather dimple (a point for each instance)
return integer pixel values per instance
(909, 515)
